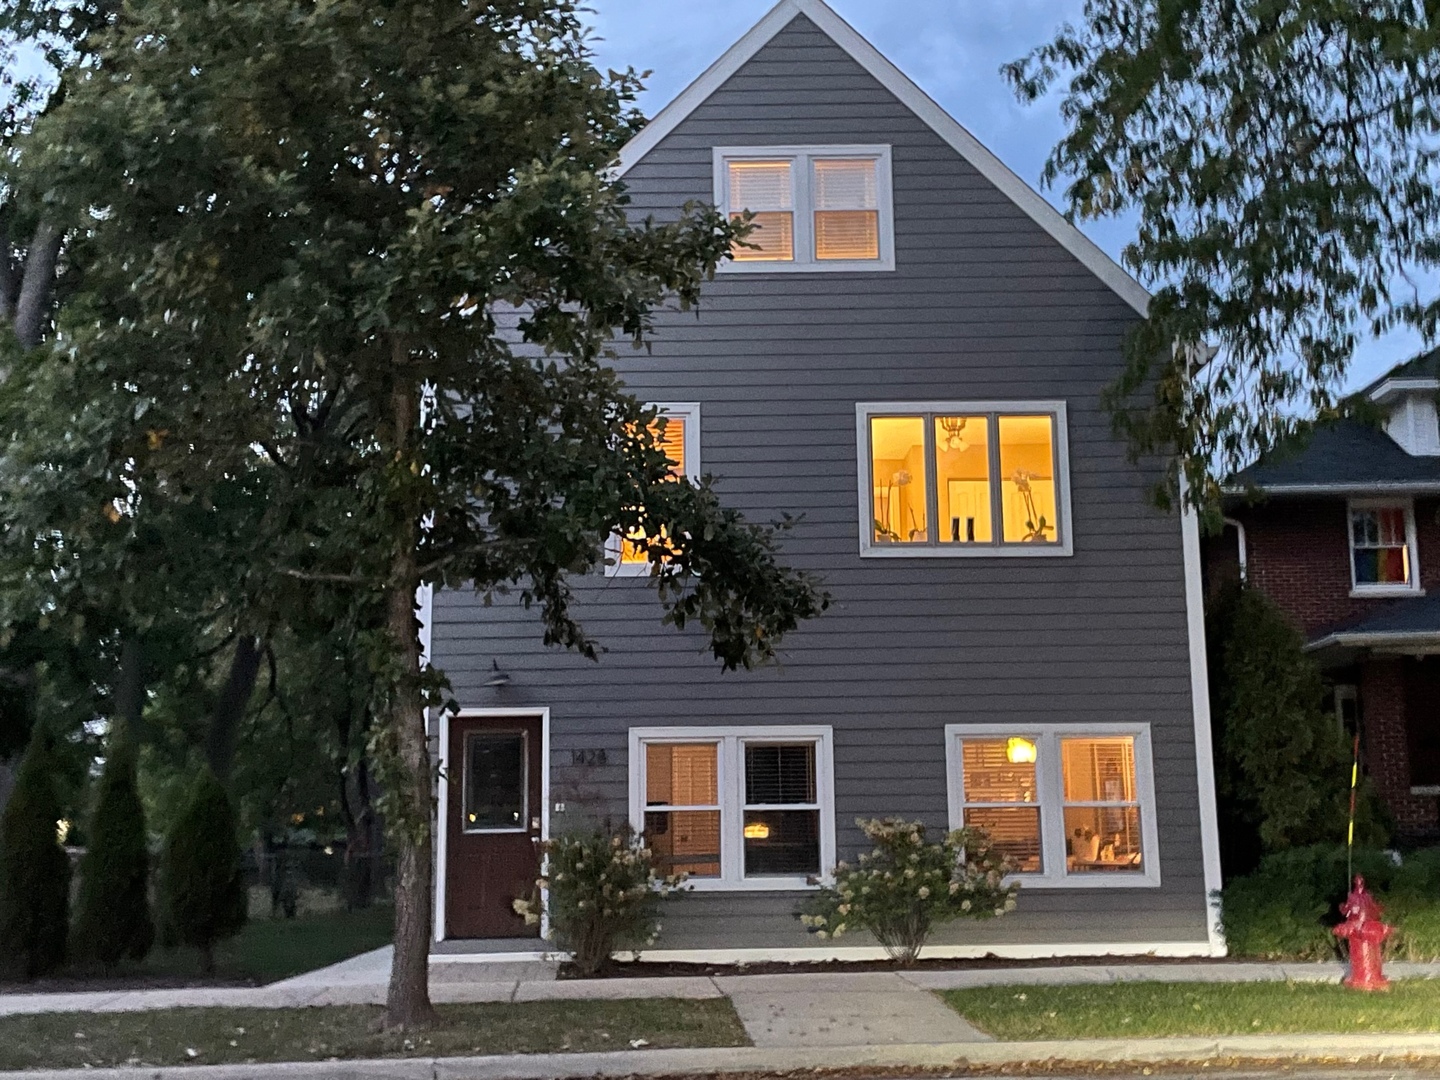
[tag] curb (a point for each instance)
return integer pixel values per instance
(1239, 1048)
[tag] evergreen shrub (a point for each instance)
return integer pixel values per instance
(34, 870)
(113, 920)
(201, 880)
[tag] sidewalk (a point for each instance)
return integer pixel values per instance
(362, 981)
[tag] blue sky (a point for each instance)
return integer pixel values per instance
(952, 48)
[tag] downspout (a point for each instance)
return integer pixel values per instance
(1240, 543)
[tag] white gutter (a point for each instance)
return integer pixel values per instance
(1389, 487)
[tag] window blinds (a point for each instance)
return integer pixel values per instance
(847, 216)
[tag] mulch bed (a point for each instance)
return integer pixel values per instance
(647, 969)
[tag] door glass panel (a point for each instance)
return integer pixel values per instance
(495, 782)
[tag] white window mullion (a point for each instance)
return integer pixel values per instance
(804, 210)
(731, 777)
(1052, 813)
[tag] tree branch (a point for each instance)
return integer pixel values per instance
(38, 284)
(336, 579)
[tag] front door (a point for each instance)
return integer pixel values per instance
(493, 829)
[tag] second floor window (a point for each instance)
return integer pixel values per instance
(1382, 546)
(964, 479)
(813, 208)
(677, 434)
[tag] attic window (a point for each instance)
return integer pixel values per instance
(815, 208)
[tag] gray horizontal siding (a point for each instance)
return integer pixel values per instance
(770, 921)
(983, 304)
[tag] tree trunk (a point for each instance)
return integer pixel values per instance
(407, 1004)
(130, 689)
(37, 285)
(230, 708)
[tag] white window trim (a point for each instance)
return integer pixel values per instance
(804, 238)
(1408, 505)
(1050, 785)
(871, 550)
(731, 772)
(689, 411)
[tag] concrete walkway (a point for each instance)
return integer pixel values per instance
(362, 980)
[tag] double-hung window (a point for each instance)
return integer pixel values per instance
(813, 208)
(677, 433)
(735, 808)
(1382, 546)
(1070, 805)
(963, 479)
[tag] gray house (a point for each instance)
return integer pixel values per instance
(911, 356)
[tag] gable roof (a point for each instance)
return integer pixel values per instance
(1347, 455)
(922, 105)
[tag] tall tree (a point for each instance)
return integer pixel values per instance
(377, 256)
(1281, 159)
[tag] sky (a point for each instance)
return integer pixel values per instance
(952, 48)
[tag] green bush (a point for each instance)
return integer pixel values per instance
(1286, 908)
(906, 885)
(1282, 766)
(34, 870)
(113, 920)
(603, 894)
(201, 882)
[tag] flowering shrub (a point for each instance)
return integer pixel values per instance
(603, 894)
(906, 886)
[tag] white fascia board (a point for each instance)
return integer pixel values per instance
(898, 83)
(1391, 387)
(1377, 639)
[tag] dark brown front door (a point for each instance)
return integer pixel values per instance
(493, 829)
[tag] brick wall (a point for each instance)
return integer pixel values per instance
(1299, 555)
(1387, 745)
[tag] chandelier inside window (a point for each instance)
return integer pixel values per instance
(954, 428)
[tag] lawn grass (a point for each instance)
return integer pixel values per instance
(265, 951)
(227, 1036)
(271, 949)
(1140, 1010)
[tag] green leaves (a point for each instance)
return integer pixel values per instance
(1281, 160)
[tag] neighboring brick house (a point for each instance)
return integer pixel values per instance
(1345, 537)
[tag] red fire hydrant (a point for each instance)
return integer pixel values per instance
(1366, 933)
